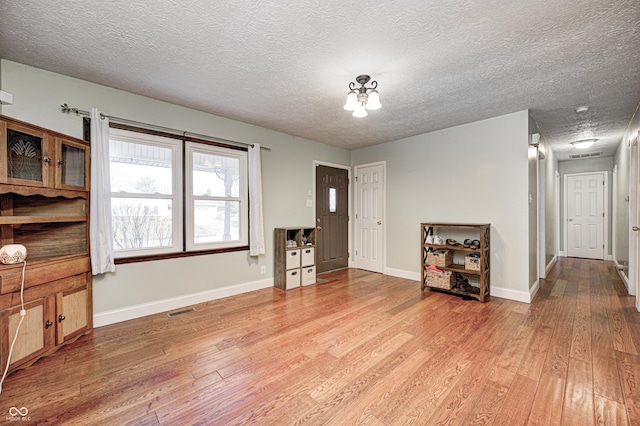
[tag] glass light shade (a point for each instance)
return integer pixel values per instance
(360, 111)
(373, 101)
(587, 143)
(352, 101)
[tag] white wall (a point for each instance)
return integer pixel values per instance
(475, 173)
(287, 178)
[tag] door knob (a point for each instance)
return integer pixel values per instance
(379, 222)
(570, 220)
(635, 228)
(319, 228)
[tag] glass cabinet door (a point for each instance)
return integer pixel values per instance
(25, 156)
(71, 165)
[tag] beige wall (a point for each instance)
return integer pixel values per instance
(471, 173)
(287, 177)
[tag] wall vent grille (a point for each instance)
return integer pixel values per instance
(587, 155)
(185, 311)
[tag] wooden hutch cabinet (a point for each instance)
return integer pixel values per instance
(44, 205)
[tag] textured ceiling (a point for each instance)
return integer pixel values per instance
(285, 65)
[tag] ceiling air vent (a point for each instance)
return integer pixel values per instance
(589, 155)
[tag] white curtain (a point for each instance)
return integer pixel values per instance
(256, 221)
(101, 233)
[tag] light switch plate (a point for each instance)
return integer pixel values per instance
(309, 203)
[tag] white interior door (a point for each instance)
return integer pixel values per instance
(585, 215)
(370, 217)
(634, 219)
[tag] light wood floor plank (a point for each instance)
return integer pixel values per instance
(362, 348)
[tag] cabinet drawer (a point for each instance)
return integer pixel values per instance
(308, 256)
(309, 275)
(40, 273)
(293, 259)
(293, 278)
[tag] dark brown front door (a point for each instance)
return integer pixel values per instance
(331, 218)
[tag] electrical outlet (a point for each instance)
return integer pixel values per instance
(263, 269)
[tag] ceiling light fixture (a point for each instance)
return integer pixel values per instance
(360, 99)
(582, 109)
(584, 144)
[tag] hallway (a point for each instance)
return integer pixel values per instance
(587, 340)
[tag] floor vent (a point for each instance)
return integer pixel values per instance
(175, 314)
(589, 155)
(321, 280)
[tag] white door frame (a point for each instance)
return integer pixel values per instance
(605, 206)
(634, 178)
(384, 213)
(557, 213)
(313, 194)
(542, 249)
(614, 212)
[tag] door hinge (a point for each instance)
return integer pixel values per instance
(356, 178)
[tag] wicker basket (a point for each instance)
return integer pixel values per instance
(440, 258)
(472, 262)
(445, 279)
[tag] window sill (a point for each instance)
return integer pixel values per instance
(149, 258)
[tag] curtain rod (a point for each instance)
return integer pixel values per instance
(67, 109)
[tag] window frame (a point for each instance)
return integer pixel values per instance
(176, 196)
(190, 199)
(181, 251)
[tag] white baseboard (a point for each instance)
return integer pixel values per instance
(623, 277)
(550, 264)
(609, 257)
(562, 254)
(504, 293)
(533, 290)
(118, 315)
(507, 293)
(400, 273)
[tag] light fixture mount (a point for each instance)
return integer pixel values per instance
(584, 143)
(363, 98)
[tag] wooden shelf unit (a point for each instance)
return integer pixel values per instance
(294, 266)
(44, 205)
(460, 232)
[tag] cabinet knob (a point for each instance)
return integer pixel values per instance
(61, 318)
(48, 324)
(60, 163)
(47, 159)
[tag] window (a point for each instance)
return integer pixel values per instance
(217, 214)
(148, 203)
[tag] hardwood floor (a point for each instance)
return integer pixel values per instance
(362, 348)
